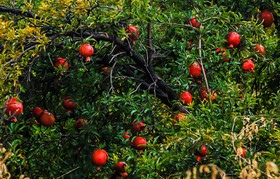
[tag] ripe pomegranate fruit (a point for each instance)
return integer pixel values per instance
(195, 70)
(124, 175)
(203, 151)
(37, 112)
(14, 120)
(193, 22)
(180, 116)
(204, 95)
(223, 53)
(244, 152)
(68, 104)
(248, 66)
(86, 50)
(139, 143)
(186, 98)
(132, 32)
(99, 157)
(126, 135)
(106, 69)
(13, 108)
(79, 124)
(198, 158)
(61, 63)
(233, 39)
(266, 17)
(121, 167)
(47, 119)
(138, 127)
(260, 49)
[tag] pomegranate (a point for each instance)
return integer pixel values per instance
(266, 17)
(186, 98)
(68, 104)
(126, 135)
(86, 50)
(180, 116)
(61, 63)
(121, 167)
(106, 69)
(244, 152)
(13, 107)
(139, 143)
(203, 151)
(14, 120)
(47, 119)
(204, 94)
(198, 158)
(193, 22)
(260, 49)
(233, 39)
(124, 175)
(223, 53)
(132, 32)
(248, 66)
(138, 127)
(195, 70)
(37, 112)
(79, 124)
(99, 158)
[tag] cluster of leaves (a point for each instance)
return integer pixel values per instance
(33, 34)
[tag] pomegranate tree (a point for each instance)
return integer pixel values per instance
(13, 108)
(233, 39)
(86, 50)
(99, 158)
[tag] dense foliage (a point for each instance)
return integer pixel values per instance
(140, 78)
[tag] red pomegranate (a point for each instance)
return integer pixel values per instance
(248, 66)
(266, 17)
(223, 53)
(204, 95)
(138, 127)
(79, 124)
(139, 143)
(99, 158)
(106, 69)
(124, 175)
(61, 63)
(121, 167)
(47, 119)
(203, 151)
(198, 158)
(126, 135)
(13, 107)
(132, 32)
(195, 70)
(244, 152)
(86, 50)
(186, 98)
(37, 112)
(180, 116)
(260, 49)
(193, 22)
(68, 104)
(233, 39)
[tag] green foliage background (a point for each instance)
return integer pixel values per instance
(111, 102)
